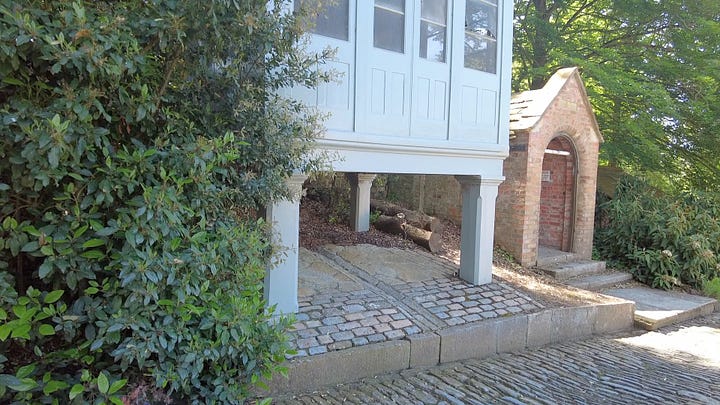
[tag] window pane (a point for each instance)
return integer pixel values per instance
(481, 18)
(481, 35)
(397, 5)
(433, 27)
(435, 11)
(480, 54)
(331, 19)
(389, 30)
(432, 41)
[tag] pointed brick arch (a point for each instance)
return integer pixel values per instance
(557, 116)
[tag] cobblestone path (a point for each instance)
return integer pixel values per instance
(380, 305)
(677, 364)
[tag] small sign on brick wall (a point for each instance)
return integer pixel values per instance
(546, 175)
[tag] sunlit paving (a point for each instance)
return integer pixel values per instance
(695, 344)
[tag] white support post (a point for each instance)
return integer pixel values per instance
(478, 224)
(360, 184)
(281, 281)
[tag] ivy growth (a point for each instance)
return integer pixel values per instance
(139, 139)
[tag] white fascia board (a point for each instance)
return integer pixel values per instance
(353, 156)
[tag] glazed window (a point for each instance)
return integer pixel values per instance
(481, 18)
(433, 29)
(389, 27)
(330, 18)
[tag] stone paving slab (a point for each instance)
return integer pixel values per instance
(657, 308)
(320, 276)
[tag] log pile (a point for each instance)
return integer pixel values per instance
(422, 229)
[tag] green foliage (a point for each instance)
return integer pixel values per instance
(139, 139)
(712, 288)
(652, 73)
(374, 216)
(665, 239)
(333, 190)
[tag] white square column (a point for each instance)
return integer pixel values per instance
(281, 281)
(478, 226)
(360, 184)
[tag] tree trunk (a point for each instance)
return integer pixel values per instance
(414, 218)
(431, 241)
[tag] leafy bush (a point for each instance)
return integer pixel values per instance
(665, 239)
(712, 288)
(139, 139)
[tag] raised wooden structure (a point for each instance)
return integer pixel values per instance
(424, 89)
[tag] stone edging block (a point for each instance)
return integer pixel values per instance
(424, 350)
(343, 366)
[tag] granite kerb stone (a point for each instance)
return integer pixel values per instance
(615, 317)
(475, 340)
(424, 349)
(565, 324)
(342, 366)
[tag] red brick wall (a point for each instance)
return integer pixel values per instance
(510, 207)
(556, 197)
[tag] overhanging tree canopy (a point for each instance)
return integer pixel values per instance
(652, 69)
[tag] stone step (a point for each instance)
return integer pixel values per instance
(597, 282)
(656, 308)
(555, 257)
(564, 271)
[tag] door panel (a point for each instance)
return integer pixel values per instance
(383, 66)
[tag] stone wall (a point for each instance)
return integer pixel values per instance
(435, 195)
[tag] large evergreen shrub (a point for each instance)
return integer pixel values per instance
(138, 140)
(665, 239)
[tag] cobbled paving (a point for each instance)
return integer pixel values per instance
(382, 312)
(603, 370)
(340, 321)
(456, 302)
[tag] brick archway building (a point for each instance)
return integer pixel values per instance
(548, 197)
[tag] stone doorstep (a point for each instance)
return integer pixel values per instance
(558, 258)
(597, 282)
(564, 271)
(477, 340)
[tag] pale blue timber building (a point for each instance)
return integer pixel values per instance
(424, 89)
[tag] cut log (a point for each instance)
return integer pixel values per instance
(431, 241)
(414, 218)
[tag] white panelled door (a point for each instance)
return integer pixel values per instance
(476, 83)
(334, 28)
(384, 61)
(431, 69)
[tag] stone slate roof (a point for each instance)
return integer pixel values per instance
(527, 107)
